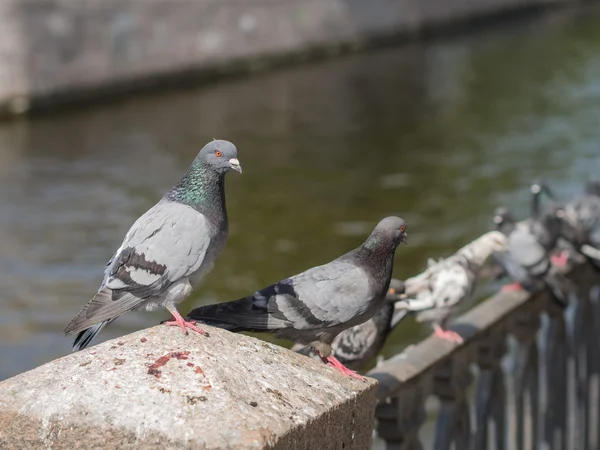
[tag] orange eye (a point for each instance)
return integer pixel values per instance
(218, 153)
(402, 228)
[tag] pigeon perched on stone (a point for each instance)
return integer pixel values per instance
(313, 307)
(435, 293)
(530, 244)
(358, 345)
(168, 250)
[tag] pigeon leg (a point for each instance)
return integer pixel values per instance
(512, 287)
(179, 321)
(334, 362)
(447, 335)
(561, 259)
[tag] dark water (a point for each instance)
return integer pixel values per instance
(438, 132)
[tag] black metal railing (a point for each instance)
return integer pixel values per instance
(534, 368)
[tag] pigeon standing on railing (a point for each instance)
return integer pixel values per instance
(528, 261)
(435, 293)
(168, 250)
(357, 346)
(313, 307)
(581, 220)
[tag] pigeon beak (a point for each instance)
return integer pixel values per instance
(405, 238)
(235, 165)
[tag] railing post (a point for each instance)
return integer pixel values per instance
(593, 356)
(579, 326)
(554, 375)
(400, 420)
(526, 379)
(491, 392)
(454, 422)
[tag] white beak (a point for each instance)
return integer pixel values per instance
(235, 165)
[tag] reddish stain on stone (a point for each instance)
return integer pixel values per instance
(190, 364)
(120, 343)
(153, 369)
(157, 373)
(199, 371)
(110, 370)
(143, 340)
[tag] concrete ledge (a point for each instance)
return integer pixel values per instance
(54, 51)
(160, 389)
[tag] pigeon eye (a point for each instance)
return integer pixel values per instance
(218, 153)
(402, 228)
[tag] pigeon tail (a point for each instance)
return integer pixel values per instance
(244, 314)
(84, 337)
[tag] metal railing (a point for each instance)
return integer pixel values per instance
(535, 370)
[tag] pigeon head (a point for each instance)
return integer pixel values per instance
(389, 232)
(592, 187)
(220, 156)
(502, 216)
(478, 251)
(202, 186)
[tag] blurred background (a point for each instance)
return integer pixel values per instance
(438, 130)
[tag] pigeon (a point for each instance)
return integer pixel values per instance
(434, 294)
(313, 307)
(530, 244)
(168, 250)
(357, 346)
(581, 220)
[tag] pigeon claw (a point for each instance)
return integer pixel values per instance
(179, 321)
(334, 362)
(561, 259)
(513, 287)
(447, 335)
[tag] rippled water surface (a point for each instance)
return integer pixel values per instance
(438, 132)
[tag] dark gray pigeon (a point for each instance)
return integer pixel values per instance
(581, 220)
(313, 307)
(434, 294)
(168, 250)
(528, 261)
(357, 346)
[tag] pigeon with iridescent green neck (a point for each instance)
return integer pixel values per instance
(168, 250)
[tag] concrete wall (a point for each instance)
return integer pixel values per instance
(60, 49)
(158, 388)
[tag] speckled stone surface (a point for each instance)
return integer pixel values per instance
(158, 388)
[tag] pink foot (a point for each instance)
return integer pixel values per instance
(179, 321)
(447, 335)
(513, 287)
(561, 259)
(334, 362)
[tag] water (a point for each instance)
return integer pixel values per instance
(439, 133)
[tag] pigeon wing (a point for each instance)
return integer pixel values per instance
(167, 243)
(320, 297)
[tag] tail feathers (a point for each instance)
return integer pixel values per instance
(84, 337)
(246, 314)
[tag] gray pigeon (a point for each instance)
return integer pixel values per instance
(436, 293)
(313, 307)
(528, 261)
(357, 346)
(168, 250)
(581, 220)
